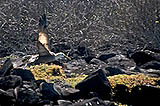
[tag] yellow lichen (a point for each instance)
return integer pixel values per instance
(45, 71)
(132, 80)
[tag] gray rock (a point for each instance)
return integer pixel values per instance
(97, 62)
(48, 91)
(151, 65)
(93, 102)
(26, 96)
(120, 61)
(7, 98)
(26, 75)
(110, 71)
(11, 81)
(96, 82)
(6, 67)
(105, 57)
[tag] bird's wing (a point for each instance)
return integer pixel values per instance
(42, 50)
(43, 23)
(43, 37)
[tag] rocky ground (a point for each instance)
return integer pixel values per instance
(113, 44)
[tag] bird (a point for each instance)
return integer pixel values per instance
(43, 44)
(43, 52)
(42, 36)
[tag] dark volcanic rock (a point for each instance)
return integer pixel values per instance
(122, 94)
(6, 98)
(38, 82)
(68, 93)
(60, 47)
(104, 57)
(93, 102)
(97, 62)
(141, 57)
(151, 65)
(11, 81)
(45, 103)
(48, 91)
(26, 96)
(89, 58)
(145, 95)
(96, 82)
(120, 61)
(6, 67)
(82, 52)
(110, 71)
(26, 75)
(149, 72)
(30, 84)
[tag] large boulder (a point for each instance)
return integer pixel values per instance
(96, 82)
(26, 75)
(145, 56)
(48, 92)
(145, 95)
(122, 94)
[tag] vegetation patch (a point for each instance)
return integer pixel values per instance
(132, 80)
(46, 72)
(52, 72)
